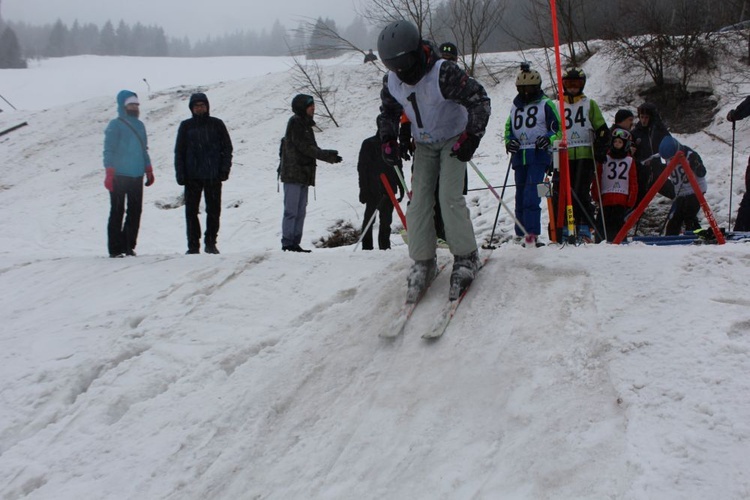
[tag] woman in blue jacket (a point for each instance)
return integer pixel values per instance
(126, 161)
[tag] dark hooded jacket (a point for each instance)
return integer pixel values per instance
(648, 138)
(299, 150)
(203, 150)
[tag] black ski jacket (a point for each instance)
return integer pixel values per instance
(647, 139)
(369, 167)
(203, 150)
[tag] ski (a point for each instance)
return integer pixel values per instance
(398, 324)
(443, 319)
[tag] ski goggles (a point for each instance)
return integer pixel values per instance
(621, 133)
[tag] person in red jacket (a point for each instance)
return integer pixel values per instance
(618, 181)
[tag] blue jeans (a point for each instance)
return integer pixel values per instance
(528, 211)
(295, 209)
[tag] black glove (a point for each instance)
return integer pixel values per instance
(600, 155)
(180, 180)
(362, 198)
(330, 156)
(404, 151)
(400, 192)
(512, 146)
(223, 176)
(465, 146)
(730, 115)
(389, 149)
(542, 142)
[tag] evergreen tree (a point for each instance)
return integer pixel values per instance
(57, 46)
(124, 45)
(10, 50)
(107, 40)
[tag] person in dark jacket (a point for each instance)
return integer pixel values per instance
(743, 212)
(126, 161)
(297, 169)
(372, 192)
(647, 136)
(686, 205)
(202, 161)
(370, 57)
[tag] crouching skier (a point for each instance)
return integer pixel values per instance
(448, 112)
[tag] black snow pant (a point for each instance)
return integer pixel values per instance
(125, 201)
(743, 214)
(385, 209)
(684, 211)
(614, 217)
(194, 188)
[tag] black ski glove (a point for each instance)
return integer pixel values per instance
(542, 142)
(330, 156)
(512, 146)
(465, 146)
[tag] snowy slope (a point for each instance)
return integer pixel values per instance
(583, 372)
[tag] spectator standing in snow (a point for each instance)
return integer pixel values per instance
(618, 179)
(370, 57)
(448, 112)
(126, 161)
(648, 134)
(743, 212)
(532, 126)
(299, 153)
(202, 161)
(372, 192)
(685, 207)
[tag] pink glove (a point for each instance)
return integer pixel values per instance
(149, 176)
(109, 178)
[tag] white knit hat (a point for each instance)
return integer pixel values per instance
(133, 99)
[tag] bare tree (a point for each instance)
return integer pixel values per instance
(324, 40)
(308, 77)
(471, 22)
(382, 12)
(679, 40)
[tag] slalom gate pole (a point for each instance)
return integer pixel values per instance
(392, 196)
(731, 180)
(369, 223)
(635, 215)
(9, 104)
(499, 198)
(701, 199)
(565, 196)
(401, 179)
(497, 214)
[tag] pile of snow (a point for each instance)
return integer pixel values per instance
(582, 372)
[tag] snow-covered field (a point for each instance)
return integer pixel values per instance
(569, 373)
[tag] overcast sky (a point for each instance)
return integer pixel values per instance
(193, 18)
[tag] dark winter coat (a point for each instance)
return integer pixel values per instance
(370, 166)
(203, 150)
(299, 149)
(648, 138)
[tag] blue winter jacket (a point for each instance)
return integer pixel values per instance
(123, 150)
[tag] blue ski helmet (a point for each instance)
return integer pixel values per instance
(669, 147)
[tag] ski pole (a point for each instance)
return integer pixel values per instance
(499, 198)
(9, 104)
(731, 180)
(497, 214)
(598, 187)
(392, 196)
(401, 179)
(367, 227)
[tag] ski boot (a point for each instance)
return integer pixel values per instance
(532, 241)
(583, 233)
(421, 274)
(464, 270)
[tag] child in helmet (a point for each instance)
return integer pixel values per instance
(618, 180)
(448, 112)
(532, 126)
(685, 207)
(587, 137)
